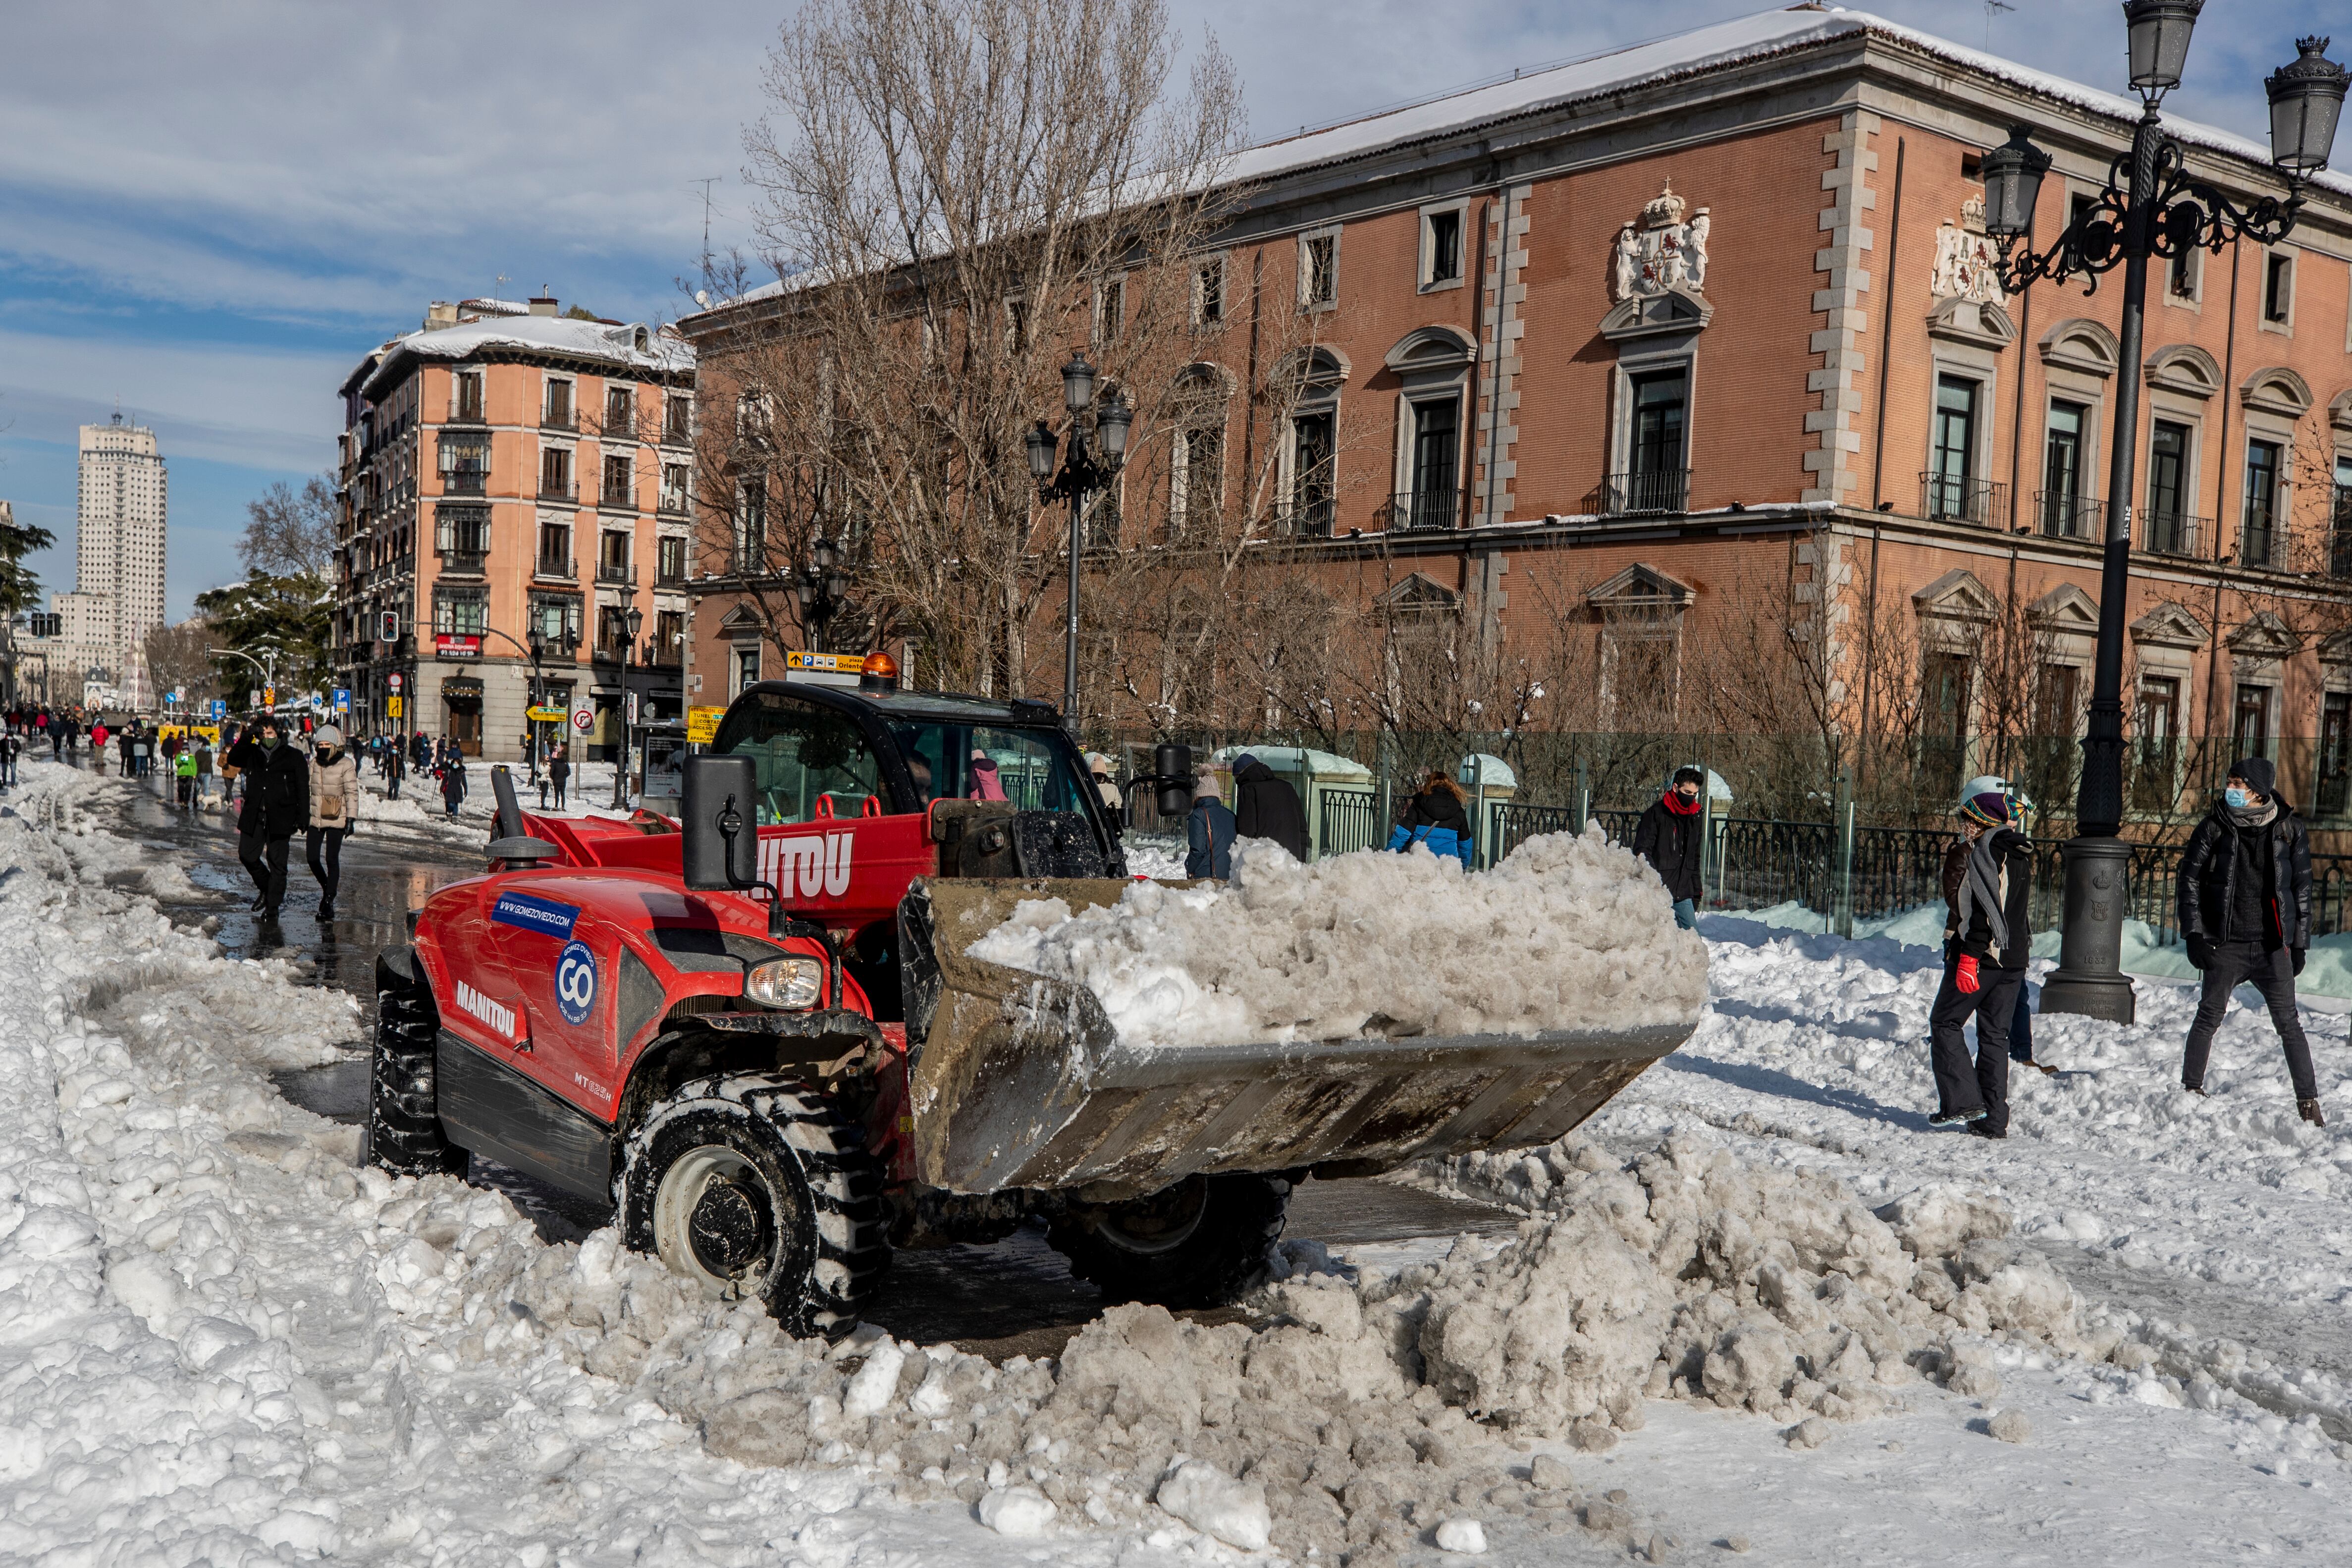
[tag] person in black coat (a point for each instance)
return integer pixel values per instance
(1991, 938)
(277, 807)
(2246, 913)
(1436, 817)
(559, 772)
(1669, 837)
(1265, 806)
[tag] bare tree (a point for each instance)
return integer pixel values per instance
(182, 658)
(953, 195)
(290, 533)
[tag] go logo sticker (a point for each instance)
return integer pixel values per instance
(575, 982)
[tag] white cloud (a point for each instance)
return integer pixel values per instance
(253, 408)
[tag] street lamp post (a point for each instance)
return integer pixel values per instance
(633, 620)
(1085, 472)
(2151, 206)
(819, 587)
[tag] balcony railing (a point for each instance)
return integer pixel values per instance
(621, 575)
(1424, 510)
(553, 490)
(464, 563)
(1650, 490)
(1309, 518)
(675, 435)
(666, 578)
(624, 428)
(673, 503)
(465, 481)
(2060, 515)
(466, 416)
(2340, 537)
(2263, 546)
(611, 499)
(1951, 497)
(556, 419)
(2173, 533)
(552, 568)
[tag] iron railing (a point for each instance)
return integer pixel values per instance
(2062, 514)
(1656, 490)
(466, 482)
(2173, 532)
(1306, 519)
(2263, 545)
(1424, 511)
(555, 568)
(558, 490)
(611, 499)
(1350, 819)
(464, 563)
(616, 574)
(1955, 498)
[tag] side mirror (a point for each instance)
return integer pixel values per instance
(1173, 763)
(720, 818)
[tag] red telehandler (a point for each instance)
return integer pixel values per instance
(754, 1030)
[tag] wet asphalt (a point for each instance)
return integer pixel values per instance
(1014, 1297)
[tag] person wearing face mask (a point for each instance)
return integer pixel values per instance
(2245, 913)
(1667, 836)
(277, 807)
(334, 789)
(1987, 888)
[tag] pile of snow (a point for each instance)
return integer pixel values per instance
(1568, 932)
(1158, 856)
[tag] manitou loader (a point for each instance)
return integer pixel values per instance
(754, 1031)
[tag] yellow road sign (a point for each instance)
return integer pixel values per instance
(702, 725)
(392, 707)
(545, 715)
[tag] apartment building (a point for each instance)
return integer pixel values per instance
(120, 515)
(514, 477)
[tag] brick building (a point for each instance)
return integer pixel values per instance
(1703, 332)
(506, 470)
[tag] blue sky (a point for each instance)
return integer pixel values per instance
(210, 211)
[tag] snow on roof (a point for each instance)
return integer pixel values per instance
(1705, 48)
(495, 307)
(638, 346)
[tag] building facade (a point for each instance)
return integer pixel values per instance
(1706, 332)
(118, 552)
(510, 477)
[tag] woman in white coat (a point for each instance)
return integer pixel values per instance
(334, 795)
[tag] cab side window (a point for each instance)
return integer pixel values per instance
(805, 754)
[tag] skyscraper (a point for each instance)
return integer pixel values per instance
(118, 560)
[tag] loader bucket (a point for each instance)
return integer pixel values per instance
(1019, 1081)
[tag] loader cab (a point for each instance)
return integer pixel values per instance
(830, 752)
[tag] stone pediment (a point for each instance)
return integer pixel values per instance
(1431, 348)
(2275, 389)
(1958, 594)
(1417, 592)
(2065, 608)
(2079, 344)
(2337, 649)
(1978, 323)
(1641, 586)
(1672, 311)
(2186, 369)
(740, 620)
(2170, 626)
(2339, 413)
(2264, 637)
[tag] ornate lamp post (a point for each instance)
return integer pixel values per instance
(2151, 206)
(820, 587)
(1085, 472)
(632, 621)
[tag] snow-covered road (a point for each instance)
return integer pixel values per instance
(222, 1342)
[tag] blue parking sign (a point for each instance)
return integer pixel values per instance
(220, 707)
(342, 697)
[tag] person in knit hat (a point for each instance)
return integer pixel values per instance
(2245, 914)
(1987, 938)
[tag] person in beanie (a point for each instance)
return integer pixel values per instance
(1667, 836)
(1987, 941)
(2246, 913)
(1208, 833)
(453, 784)
(277, 807)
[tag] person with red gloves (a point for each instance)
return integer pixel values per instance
(1988, 883)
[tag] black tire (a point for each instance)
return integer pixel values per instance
(404, 1125)
(1200, 1243)
(755, 1185)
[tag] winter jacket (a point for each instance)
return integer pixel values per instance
(334, 791)
(1434, 818)
(1265, 806)
(558, 770)
(2016, 855)
(2210, 871)
(1209, 837)
(277, 788)
(453, 782)
(1669, 840)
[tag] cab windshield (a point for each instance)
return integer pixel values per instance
(812, 761)
(1032, 768)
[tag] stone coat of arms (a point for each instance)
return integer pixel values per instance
(1968, 263)
(1661, 251)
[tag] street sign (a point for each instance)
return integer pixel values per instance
(392, 707)
(173, 697)
(825, 663)
(702, 725)
(392, 681)
(269, 697)
(633, 707)
(545, 715)
(583, 718)
(220, 708)
(342, 699)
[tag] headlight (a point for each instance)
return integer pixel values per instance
(791, 984)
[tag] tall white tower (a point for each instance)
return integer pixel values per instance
(118, 552)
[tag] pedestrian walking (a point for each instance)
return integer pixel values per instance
(12, 746)
(559, 772)
(205, 772)
(1669, 836)
(184, 779)
(1437, 817)
(1265, 806)
(395, 768)
(1208, 833)
(1987, 938)
(2245, 913)
(1099, 768)
(277, 807)
(334, 795)
(453, 785)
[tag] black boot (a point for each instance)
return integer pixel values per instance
(260, 901)
(326, 909)
(2309, 1110)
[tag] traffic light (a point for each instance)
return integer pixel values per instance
(387, 628)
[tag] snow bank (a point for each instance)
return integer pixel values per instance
(1568, 932)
